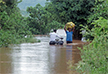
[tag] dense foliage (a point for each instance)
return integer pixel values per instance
(76, 11)
(95, 55)
(13, 26)
(41, 20)
(61, 11)
(100, 10)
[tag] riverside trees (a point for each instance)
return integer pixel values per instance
(95, 55)
(13, 26)
(41, 19)
(61, 12)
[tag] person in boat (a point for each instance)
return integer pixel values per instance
(53, 37)
(69, 33)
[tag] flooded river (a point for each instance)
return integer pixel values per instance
(39, 58)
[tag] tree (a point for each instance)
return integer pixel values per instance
(76, 11)
(41, 20)
(98, 48)
(13, 25)
(100, 10)
(95, 50)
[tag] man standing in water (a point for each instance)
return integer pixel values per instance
(69, 33)
(53, 37)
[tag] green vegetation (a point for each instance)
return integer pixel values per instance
(13, 27)
(61, 11)
(24, 13)
(95, 55)
(93, 14)
(76, 11)
(41, 20)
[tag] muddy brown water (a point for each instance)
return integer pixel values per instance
(39, 58)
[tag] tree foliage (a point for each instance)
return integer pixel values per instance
(13, 25)
(76, 11)
(95, 55)
(40, 19)
(100, 10)
(62, 11)
(54, 15)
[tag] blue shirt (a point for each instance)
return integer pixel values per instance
(69, 35)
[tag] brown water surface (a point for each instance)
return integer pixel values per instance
(39, 58)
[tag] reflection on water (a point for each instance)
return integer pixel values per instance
(69, 52)
(38, 58)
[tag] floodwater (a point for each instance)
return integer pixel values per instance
(39, 58)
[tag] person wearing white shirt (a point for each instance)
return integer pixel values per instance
(53, 37)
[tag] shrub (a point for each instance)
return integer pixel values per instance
(6, 38)
(95, 55)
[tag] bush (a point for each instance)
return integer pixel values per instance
(6, 38)
(13, 26)
(95, 55)
(54, 25)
